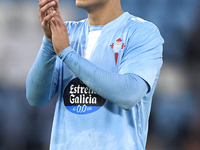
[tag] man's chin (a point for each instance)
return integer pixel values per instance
(82, 6)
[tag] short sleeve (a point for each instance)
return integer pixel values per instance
(143, 55)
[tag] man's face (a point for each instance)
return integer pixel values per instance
(90, 4)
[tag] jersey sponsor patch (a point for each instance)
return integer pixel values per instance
(80, 99)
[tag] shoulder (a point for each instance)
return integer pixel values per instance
(141, 26)
(143, 30)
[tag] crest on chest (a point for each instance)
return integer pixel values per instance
(117, 47)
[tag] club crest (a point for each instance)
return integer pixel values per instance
(117, 46)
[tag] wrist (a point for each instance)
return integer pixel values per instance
(59, 52)
(65, 52)
(47, 41)
(48, 45)
(48, 38)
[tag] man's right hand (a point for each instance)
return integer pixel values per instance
(45, 14)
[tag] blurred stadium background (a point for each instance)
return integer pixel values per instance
(175, 117)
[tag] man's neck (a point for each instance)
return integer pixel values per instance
(105, 14)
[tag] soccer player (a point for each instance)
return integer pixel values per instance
(104, 70)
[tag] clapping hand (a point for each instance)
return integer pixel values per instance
(53, 25)
(59, 31)
(45, 7)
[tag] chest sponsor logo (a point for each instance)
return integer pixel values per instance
(79, 99)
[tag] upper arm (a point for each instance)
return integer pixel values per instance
(143, 55)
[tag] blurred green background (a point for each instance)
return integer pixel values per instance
(175, 116)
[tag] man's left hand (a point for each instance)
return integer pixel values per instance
(59, 31)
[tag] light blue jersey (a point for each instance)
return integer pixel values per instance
(103, 102)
